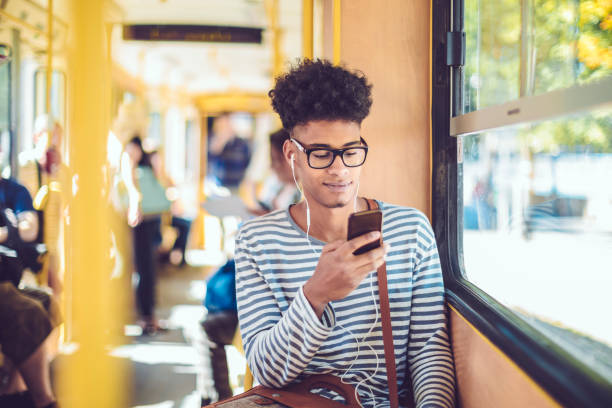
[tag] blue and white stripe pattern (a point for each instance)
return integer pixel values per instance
(284, 339)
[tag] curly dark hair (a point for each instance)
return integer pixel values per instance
(318, 90)
(277, 139)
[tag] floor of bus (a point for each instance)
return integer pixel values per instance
(163, 367)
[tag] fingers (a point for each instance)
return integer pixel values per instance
(332, 246)
(373, 258)
(371, 264)
(361, 240)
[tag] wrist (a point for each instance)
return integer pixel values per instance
(316, 300)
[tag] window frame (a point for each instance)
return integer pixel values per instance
(569, 381)
(11, 71)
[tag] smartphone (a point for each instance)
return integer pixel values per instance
(362, 222)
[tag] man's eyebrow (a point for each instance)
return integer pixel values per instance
(326, 146)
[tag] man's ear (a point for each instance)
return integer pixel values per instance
(289, 151)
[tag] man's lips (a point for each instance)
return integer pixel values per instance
(338, 186)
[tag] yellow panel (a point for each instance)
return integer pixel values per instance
(486, 377)
(391, 47)
(248, 379)
(233, 102)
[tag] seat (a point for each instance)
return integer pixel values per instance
(248, 375)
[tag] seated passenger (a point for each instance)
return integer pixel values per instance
(306, 304)
(27, 318)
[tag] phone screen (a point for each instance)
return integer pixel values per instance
(363, 222)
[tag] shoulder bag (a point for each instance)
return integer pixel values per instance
(154, 199)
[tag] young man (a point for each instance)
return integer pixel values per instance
(306, 304)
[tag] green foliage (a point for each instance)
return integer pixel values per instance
(493, 52)
(595, 42)
(590, 134)
(562, 43)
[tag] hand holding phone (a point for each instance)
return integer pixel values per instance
(363, 222)
(339, 271)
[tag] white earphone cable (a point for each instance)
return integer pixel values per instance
(357, 341)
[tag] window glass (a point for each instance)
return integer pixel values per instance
(520, 48)
(5, 92)
(537, 227)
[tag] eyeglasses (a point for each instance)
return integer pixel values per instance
(321, 157)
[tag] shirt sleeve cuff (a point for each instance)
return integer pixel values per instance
(322, 326)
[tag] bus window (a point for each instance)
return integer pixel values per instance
(533, 122)
(537, 227)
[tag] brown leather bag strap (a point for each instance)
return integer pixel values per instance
(329, 382)
(385, 314)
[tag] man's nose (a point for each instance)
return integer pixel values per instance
(337, 166)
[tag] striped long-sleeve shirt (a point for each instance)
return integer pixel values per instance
(285, 340)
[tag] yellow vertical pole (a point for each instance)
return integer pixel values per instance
(277, 54)
(199, 236)
(90, 378)
(47, 217)
(307, 28)
(49, 55)
(337, 15)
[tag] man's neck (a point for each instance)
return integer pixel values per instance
(326, 224)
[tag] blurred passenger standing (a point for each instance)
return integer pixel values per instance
(228, 154)
(147, 201)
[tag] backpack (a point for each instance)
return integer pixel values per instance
(154, 199)
(221, 289)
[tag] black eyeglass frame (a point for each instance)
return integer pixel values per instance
(335, 152)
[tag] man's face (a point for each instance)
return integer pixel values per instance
(336, 185)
